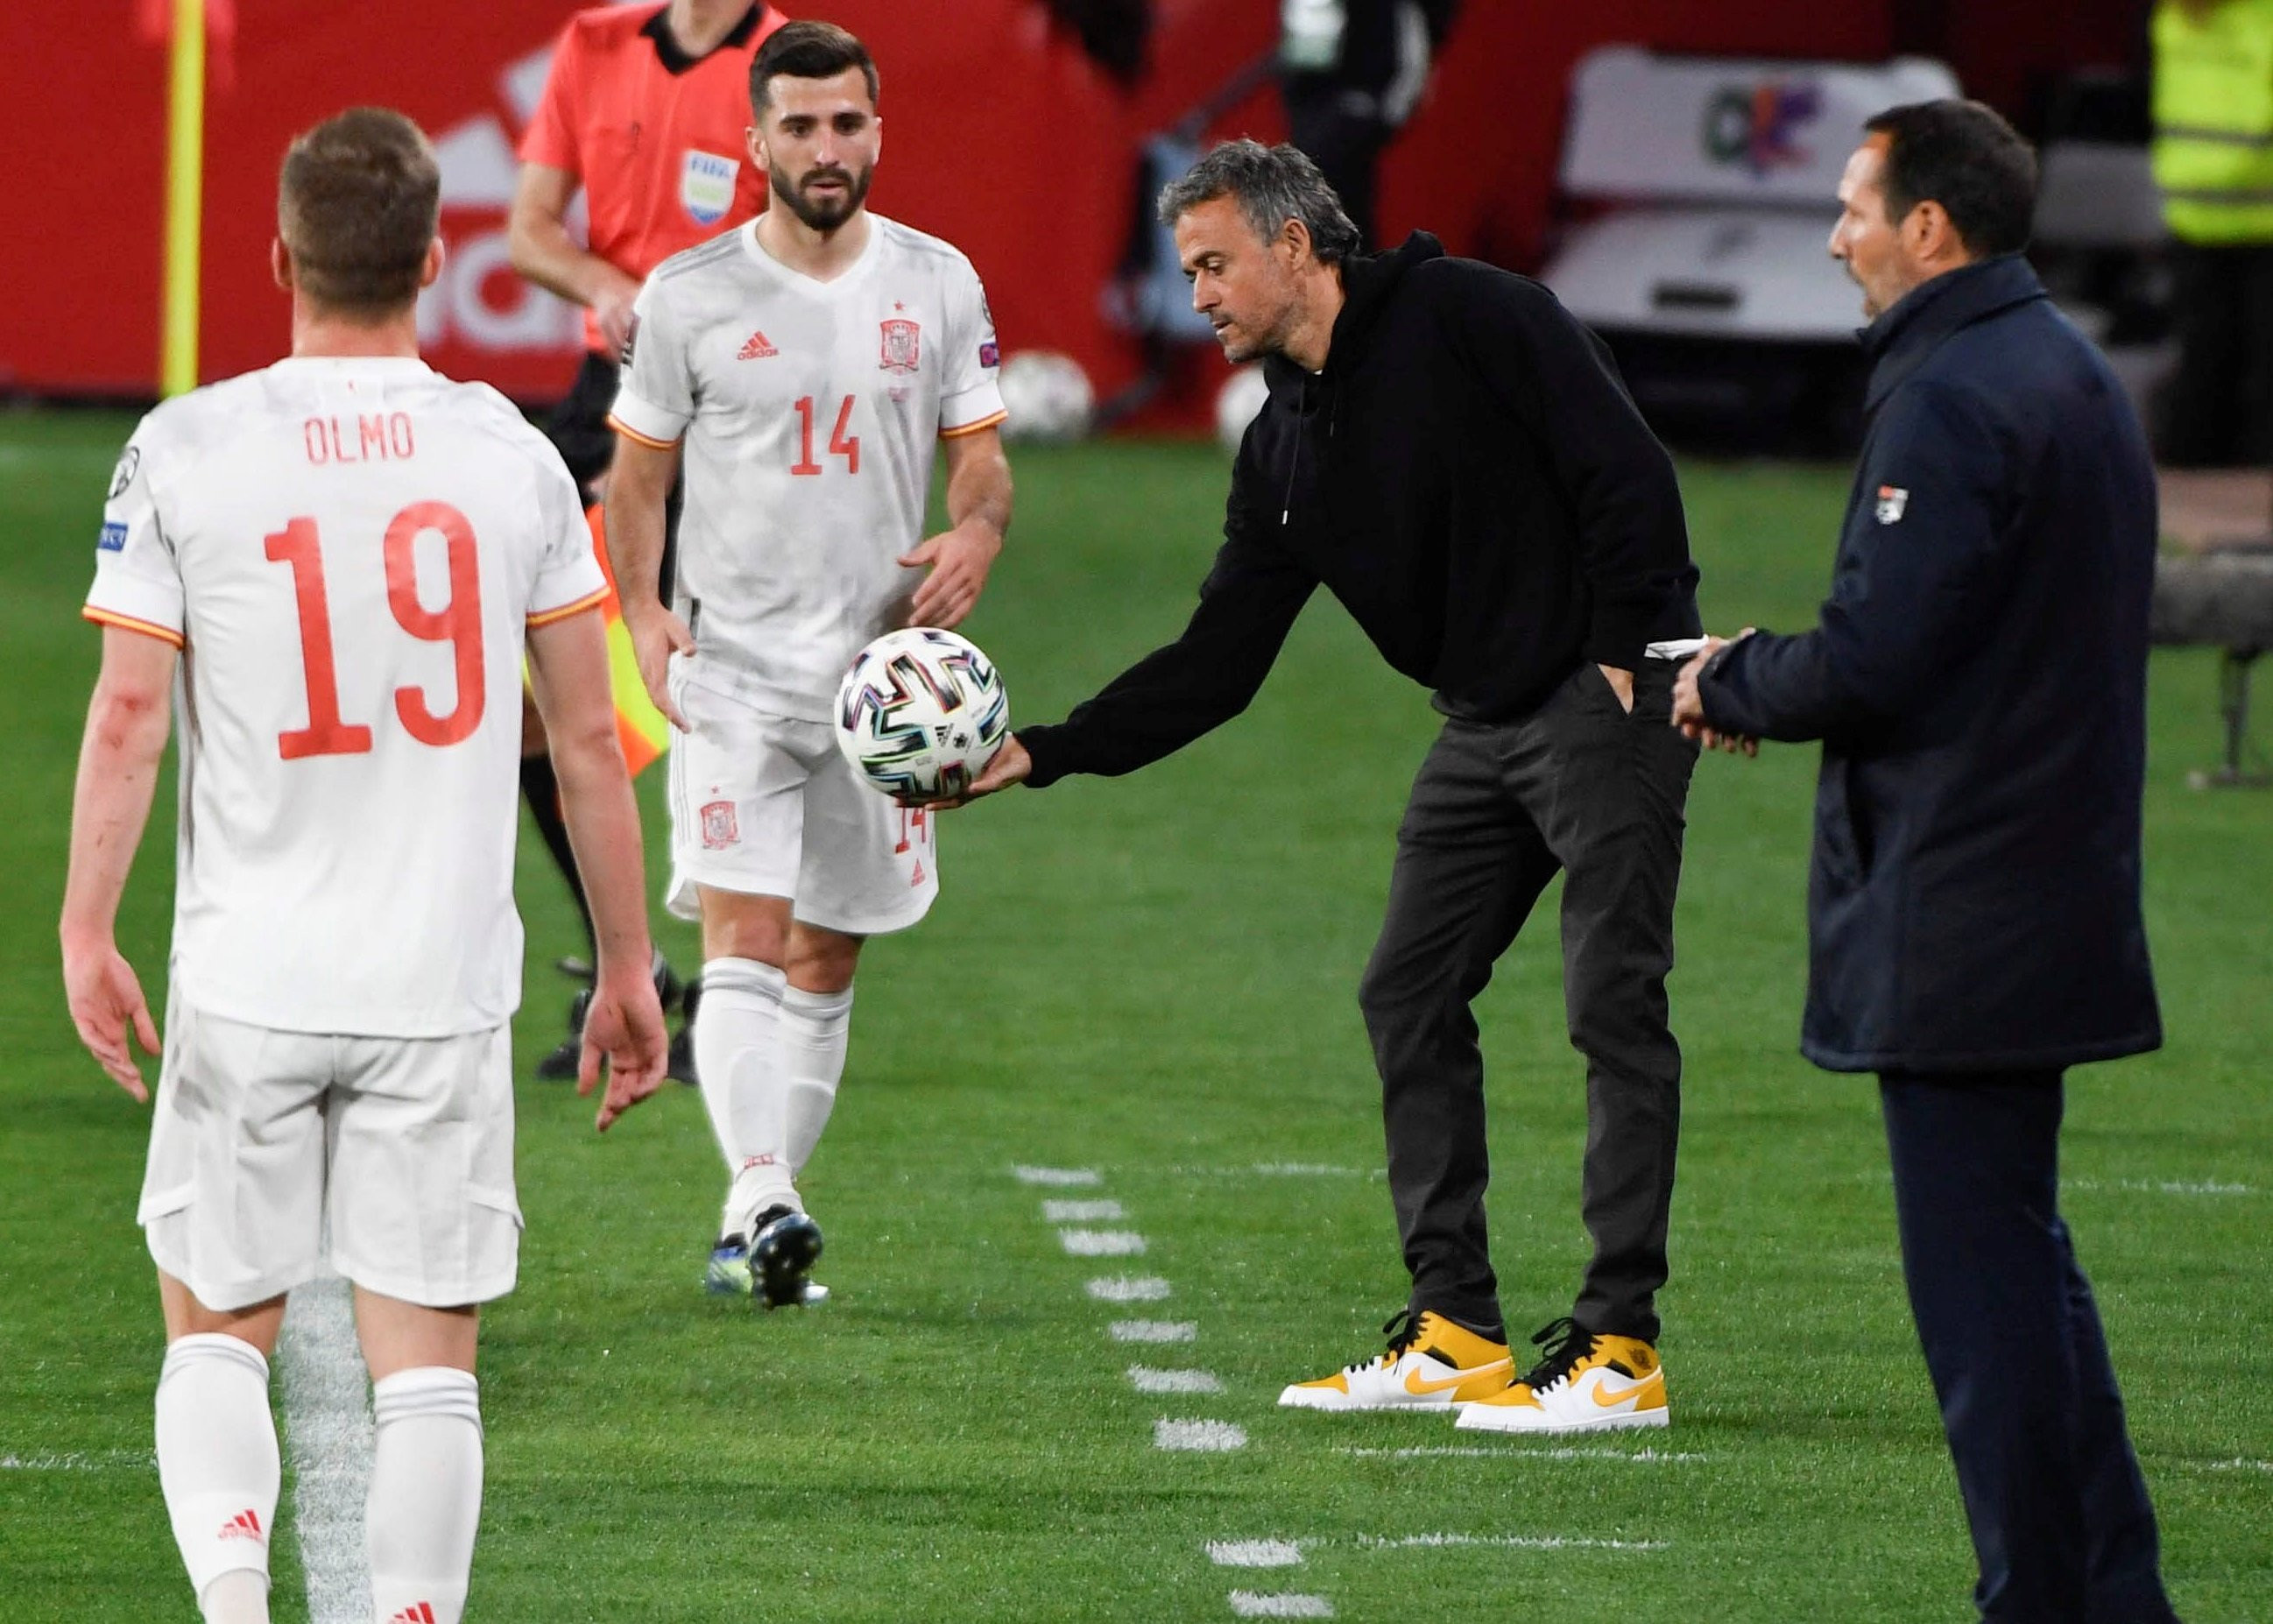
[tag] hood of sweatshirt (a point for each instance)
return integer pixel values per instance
(1368, 281)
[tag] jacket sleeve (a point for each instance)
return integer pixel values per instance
(1557, 378)
(1925, 565)
(1173, 695)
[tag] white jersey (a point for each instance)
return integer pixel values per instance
(810, 412)
(347, 553)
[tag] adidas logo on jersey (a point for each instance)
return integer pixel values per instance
(244, 1525)
(416, 1612)
(755, 348)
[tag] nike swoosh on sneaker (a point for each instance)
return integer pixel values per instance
(1421, 1389)
(1604, 1397)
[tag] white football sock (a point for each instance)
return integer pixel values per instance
(238, 1597)
(218, 1467)
(738, 1056)
(425, 1498)
(814, 1027)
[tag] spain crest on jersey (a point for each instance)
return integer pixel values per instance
(706, 185)
(903, 345)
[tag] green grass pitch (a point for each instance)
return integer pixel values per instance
(1155, 979)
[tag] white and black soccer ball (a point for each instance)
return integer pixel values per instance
(1048, 397)
(921, 712)
(1236, 404)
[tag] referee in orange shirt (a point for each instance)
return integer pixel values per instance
(644, 110)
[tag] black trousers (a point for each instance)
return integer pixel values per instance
(2061, 1523)
(1345, 142)
(2216, 410)
(1582, 787)
(579, 427)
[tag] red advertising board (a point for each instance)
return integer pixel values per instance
(1001, 136)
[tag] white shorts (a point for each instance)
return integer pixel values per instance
(767, 806)
(274, 1152)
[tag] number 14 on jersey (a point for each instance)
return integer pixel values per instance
(840, 443)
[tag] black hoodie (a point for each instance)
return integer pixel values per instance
(1467, 474)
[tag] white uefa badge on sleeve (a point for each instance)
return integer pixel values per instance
(706, 185)
(1892, 500)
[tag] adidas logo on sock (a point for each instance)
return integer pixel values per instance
(244, 1525)
(755, 348)
(416, 1612)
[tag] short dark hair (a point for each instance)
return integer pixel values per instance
(1273, 185)
(1965, 157)
(358, 204)
(806, 50)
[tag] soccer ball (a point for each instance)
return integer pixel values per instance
(1242, 397)
(921, 712)
(1047, 396)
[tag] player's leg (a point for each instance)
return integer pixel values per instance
(425, 1501)
(1607, 787)
(769, 1043)
(425, 1221)
(1468, 869)
(868, 868)
(231, 1232)
(218, 1463)
(816, 1024)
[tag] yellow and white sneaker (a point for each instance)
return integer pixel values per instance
(1431, 1364)
(1585, 1383)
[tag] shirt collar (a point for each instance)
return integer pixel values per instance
(1900, 340)
(673, 57)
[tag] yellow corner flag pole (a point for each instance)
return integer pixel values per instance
(185, 164)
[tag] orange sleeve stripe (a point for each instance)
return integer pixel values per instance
(128, 623)
(591, 600)
(973, 428)
(616, 424)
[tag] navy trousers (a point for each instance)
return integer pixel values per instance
(2061, 1523)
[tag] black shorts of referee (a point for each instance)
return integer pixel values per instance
(579, 429)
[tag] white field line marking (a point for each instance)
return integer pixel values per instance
(1509, 1542)
(2237, 1464)
(1639, 1457)
(328, 1437)
(1168, 1434)
(1255, 1553)
(1102, 1242)
(1155, 1330)
(1082, 1212)
(1249, 1605)
(1277, 1170)
(1063, 1178)
(1146, 1380)
(1129, 1289)
(2160, 1186)
(80, 1460)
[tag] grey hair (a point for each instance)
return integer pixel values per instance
(1273, 185)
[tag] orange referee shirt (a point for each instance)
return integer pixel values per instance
(654, 134)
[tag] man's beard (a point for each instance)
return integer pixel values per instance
(823, 215)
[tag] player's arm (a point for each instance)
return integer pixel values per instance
(639, 486)
(536, 235)
(569, 674)
(127, 722)
(977, 517)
